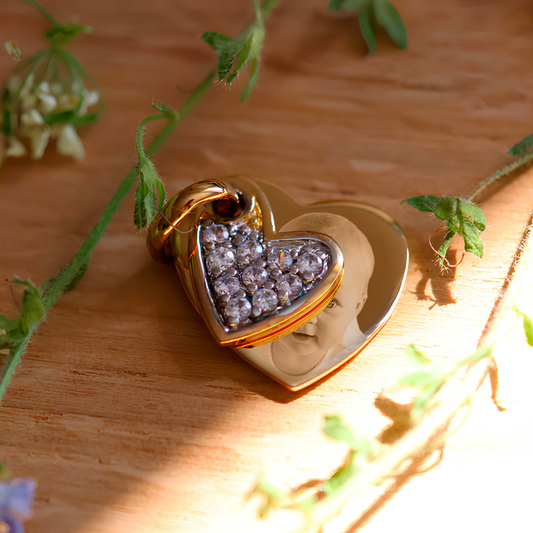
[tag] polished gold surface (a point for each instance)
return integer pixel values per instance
(178, 208)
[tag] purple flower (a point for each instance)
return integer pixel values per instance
(16, 499)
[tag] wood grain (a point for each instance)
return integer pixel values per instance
(124, 409)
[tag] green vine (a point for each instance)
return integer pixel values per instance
(150, 191)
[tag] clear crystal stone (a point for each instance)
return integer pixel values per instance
(292, 284)
(281, 259)
(226, 285)
(239, 227)
(238, 310)
(266, 300)
(255, 275)
(310, 262)
(250, 250)
(221, 258)
(216, 233)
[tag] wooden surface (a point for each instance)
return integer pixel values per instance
(124, 409)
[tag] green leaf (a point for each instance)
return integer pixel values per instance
(336, 428)
(422, 378)
(32, 312)
(522, 147)
(339, 478)
(389, 18)
(528, 328)
(61, 34)
(235, 52)
(424, 203)
(446, 208)
(149, 189)
(88, 118)
(335, 5)
(254, 75)
(473, 243)
(272, 489)
(473, 213)
(345, 5)
(62, 117)
(217, 41)
(6, 123)
(419, 405)
(416, 357)
(307, 503)
(367, 29)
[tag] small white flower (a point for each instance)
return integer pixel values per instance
(31, 118)
(39, 141)
(89, 98)
(47, 103)
(15, 148)
(67, 101)
(44, 87)
(68, 141)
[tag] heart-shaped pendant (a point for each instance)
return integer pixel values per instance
(293, 302)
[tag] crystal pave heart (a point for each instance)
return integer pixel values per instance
(251, 278)
(253, 289)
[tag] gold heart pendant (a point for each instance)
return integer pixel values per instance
(296, 302)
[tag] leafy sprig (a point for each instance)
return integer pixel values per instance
(372, 13)
(69, 276)
(237, 53)
(363, 465)
(460, 215)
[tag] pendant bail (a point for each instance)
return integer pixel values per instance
(178, 207)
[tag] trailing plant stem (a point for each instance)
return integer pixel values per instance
(183, 111)
(505, 171)
(54, 287)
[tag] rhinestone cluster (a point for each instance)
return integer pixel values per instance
(251, 278)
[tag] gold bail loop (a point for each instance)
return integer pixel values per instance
(177, 208)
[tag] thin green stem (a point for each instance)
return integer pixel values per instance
(40, 8)
(36, 58)
(505, 171)
(268, 6)
(54, 287)
(183, 111)
(151, 118)
(72, 273)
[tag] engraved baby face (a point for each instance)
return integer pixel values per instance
(328, 328)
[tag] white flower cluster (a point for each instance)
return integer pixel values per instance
(34, 102)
